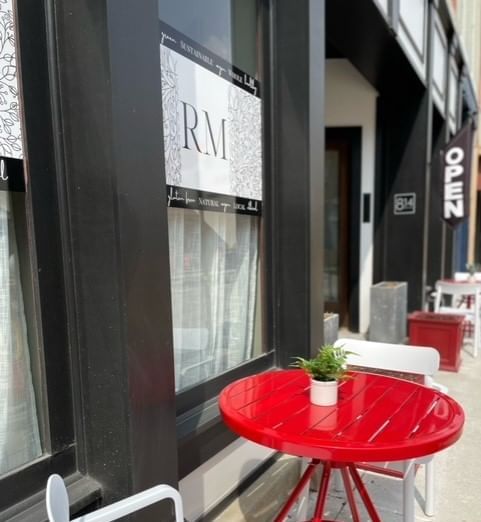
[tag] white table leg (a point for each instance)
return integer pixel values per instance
(408, 491)
(429, 495)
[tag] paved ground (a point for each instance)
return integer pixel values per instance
(459, 473)
(458, 482)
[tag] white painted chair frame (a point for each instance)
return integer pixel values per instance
(457, 292)
(464, 276)
(419, 360)
(58, 504)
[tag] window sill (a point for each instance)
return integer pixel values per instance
(82, 491)
(197, 397)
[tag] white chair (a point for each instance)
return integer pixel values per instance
(58, 505)
(461, 298)
(418, 360)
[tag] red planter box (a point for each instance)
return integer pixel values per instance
(441, 331)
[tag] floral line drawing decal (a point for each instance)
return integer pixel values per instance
(10, 130)
(245, 144)
(170, 102)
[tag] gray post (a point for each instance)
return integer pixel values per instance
(388, 312)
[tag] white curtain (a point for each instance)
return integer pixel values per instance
(213, 263)
(19, 432)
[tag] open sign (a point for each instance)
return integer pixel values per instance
(456, 166)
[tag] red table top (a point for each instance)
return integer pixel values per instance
(377, 418)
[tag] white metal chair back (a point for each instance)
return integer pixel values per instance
(465, 300)
(420, 360)
(57, 500)
(58, 505)
(456, 291)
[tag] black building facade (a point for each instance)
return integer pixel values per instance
(135, 308)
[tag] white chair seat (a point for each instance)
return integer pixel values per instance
(418, 360)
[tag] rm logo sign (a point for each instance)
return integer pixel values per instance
(404, 203)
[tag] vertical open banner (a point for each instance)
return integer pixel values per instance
(456, 174)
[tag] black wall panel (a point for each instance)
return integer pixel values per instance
(403, 122)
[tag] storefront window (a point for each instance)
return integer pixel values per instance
(211, 96)
(226, 28)
(19, 428)
(214, 261)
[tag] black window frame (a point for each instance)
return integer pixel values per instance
(20, 487)
(293, 209)
(200, 431)
(102, 443)
(292, 295)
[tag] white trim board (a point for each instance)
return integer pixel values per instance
(351, 102)
(214, 480)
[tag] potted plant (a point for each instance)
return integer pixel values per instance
(326, 369)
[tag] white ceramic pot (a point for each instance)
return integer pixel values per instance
(324, 393)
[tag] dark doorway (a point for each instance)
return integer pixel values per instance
(342, 224)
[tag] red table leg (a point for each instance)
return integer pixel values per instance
(350, 495)
(364, 494)
(323, 487)
(297, 490)
(321, 497)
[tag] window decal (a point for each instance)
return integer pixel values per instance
(10, 130)
(212, 129)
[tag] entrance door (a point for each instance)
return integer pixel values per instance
(336, 229)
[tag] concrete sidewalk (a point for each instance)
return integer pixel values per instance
(458, 486)
(458, 473)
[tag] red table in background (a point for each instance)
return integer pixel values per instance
(377, 418)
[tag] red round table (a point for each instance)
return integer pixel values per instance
(377, 418)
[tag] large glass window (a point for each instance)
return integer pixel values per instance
(213, 148)
(214, 261)
(19, 427)
(227, 28)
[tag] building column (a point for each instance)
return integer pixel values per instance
(297, 182)
(105, 73)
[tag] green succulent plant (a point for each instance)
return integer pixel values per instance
(328, 365)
